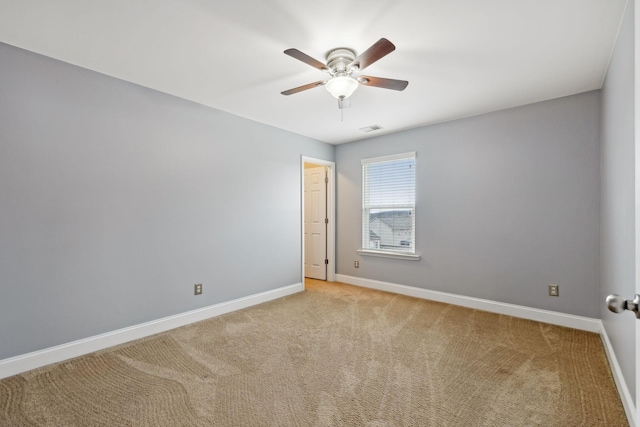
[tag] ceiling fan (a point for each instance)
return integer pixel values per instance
(341, 65)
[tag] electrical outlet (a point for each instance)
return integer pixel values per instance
(356, 264)
(554, 290)
(197, 289)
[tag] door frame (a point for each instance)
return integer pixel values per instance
(331, 215)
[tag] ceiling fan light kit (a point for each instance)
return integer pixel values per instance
(341, 64)
(341, 87)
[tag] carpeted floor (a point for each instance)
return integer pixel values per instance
(335, 355)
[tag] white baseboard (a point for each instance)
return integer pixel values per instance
(26, 362)
(621, 384)
(545, 316)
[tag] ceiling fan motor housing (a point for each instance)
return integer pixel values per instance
(338, 59)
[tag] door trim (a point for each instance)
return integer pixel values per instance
(331, 215)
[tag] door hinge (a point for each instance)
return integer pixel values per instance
(326, 180)
(326, 220)
(326, 261)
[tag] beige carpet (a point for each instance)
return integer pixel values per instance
(333, 355)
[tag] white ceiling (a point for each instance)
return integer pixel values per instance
(461, 57)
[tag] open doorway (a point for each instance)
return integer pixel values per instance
(318, 219)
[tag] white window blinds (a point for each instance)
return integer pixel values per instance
(388, 203)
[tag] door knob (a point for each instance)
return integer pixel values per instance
(617, 304)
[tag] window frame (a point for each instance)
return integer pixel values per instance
(410, 254)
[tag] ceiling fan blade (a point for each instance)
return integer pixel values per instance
(380, 49)
(383, 83)
(301, 88)
(295, 53)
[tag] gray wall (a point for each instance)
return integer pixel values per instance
(115, 199)
(507, 203)
(617, 231)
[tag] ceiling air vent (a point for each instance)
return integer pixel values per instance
(371, 128)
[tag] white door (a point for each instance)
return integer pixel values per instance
(622, 303)
(636, 77)
(315, 227)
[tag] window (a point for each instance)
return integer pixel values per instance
(388, 204)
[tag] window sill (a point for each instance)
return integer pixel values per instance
(396, 255)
